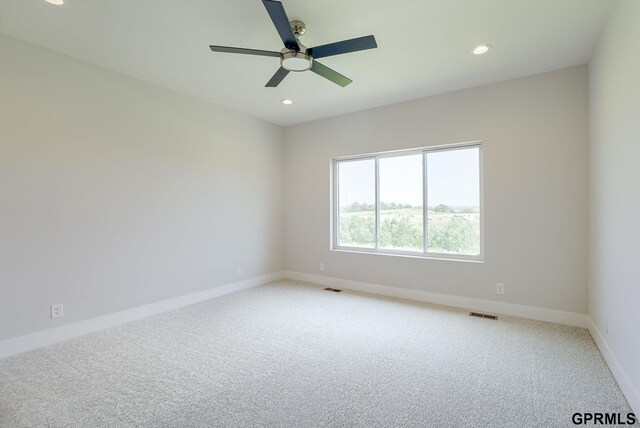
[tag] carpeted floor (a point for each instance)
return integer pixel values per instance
(290, 354)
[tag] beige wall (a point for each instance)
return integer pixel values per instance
(535, 170)
(116, 193)
(614, 286)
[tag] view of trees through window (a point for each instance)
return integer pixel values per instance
(453, 195)
(357, 190)
(401, 195)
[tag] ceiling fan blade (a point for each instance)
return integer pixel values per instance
(280, 20)
(229, 49)
(277, 78)
(327, 73)
(345, 46)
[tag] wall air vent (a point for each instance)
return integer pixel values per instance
(479, 315)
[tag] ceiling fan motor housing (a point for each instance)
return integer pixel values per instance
(292, 59)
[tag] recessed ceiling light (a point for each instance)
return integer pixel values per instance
(481, 49)
(56, 2)
(287, 101)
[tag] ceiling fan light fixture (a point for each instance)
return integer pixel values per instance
(296, 61)
(481, 49)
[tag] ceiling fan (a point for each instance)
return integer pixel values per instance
(297, 57)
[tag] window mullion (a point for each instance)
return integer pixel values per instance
(377, 210)
(425, 204)
(336, 206)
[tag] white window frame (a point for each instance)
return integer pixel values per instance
(334, 206)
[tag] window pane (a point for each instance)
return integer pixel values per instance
(401, 200)
(356, 200)
(453, 195)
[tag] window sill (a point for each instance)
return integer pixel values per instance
(413, 255)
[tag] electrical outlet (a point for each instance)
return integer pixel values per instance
(499, 288)
(321, 267)
(238, 271)
(57, 311)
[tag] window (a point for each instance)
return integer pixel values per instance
(380, 202)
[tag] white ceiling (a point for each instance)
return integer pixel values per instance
(424, 46)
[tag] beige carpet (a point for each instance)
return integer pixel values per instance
(289, 354)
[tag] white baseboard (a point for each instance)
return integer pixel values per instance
(69, 331)
(530, 312)
(631, 394)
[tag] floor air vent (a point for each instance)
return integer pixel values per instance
(335, 290)
(479, 315)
